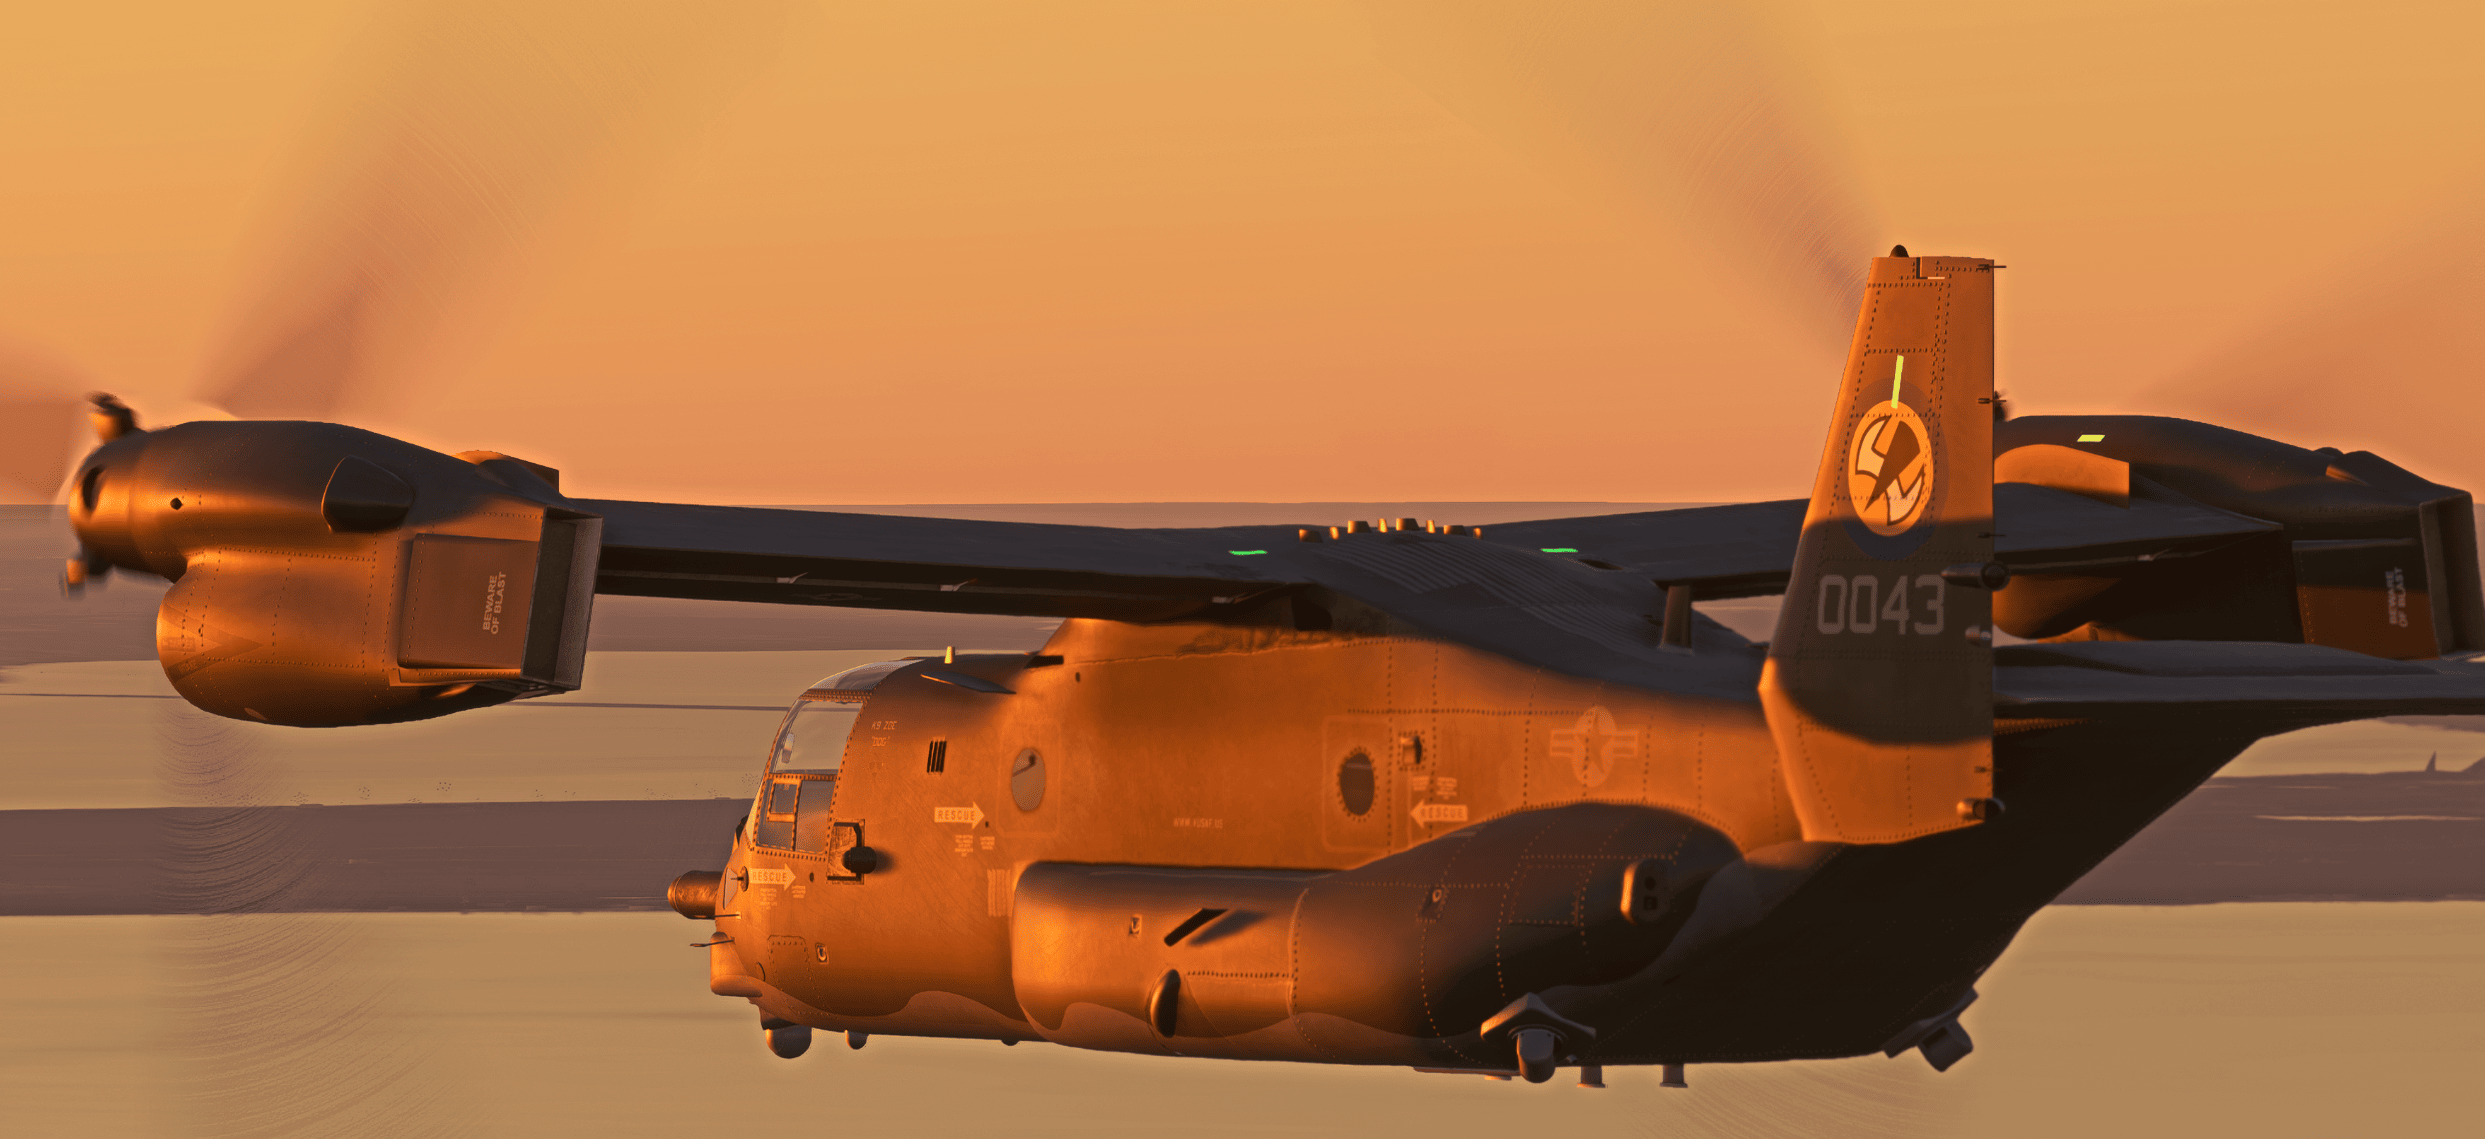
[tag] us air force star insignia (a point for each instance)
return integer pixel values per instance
(1890, 472)
(1593, 746)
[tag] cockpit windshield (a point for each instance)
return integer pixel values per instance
(813, 738)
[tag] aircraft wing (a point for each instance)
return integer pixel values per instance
(1748, 549)
(1553, 611)
(809, 557)
(1590, 605)
(2305, 684)
(1742, 550)
(877, 561)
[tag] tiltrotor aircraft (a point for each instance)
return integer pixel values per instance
(1406, 794)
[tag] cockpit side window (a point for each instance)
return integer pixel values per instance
(795, 813)
(813, 816)
(777, 801)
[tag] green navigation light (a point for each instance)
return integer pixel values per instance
(1559, 550)
(1246, 553)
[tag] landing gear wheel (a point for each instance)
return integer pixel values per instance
(1535, 1048)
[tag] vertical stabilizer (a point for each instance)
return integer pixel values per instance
(1879, 682)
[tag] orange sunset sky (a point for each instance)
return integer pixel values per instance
(1259, 250)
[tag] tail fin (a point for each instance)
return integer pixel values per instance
(1879, 683)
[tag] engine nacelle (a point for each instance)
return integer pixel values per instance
(324, 575)
(2367, 556)
(1403, 960)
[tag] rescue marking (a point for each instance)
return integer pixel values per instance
(771, 876)
(970, 814)
(1430, 813)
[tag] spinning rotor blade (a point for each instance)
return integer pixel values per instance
(485, 113)
(2386, 355)
(43, 426)
(1681, 106)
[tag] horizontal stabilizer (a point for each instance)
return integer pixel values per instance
(2297, 685)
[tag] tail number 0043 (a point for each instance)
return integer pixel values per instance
(1865, 604)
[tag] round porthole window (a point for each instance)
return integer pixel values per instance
(1027, 780)
(1354, 784)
